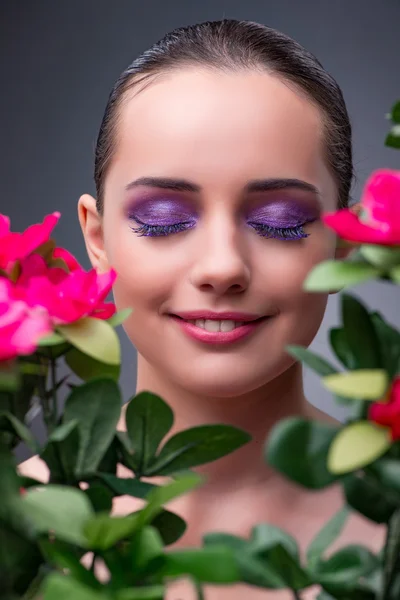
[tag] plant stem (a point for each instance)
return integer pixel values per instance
(54, 389)
(199, 590)
(390, 556)
(47, 413)
(296, 595)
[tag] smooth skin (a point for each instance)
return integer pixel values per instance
(221, 131)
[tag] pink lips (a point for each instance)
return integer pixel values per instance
(250, 324)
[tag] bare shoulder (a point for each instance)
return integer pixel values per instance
(34, 467)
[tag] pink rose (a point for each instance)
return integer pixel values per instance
(16, 246)
(379, 218)
(66, 296)
(21, 327)
(67, 257)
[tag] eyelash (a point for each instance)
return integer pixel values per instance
(279, 233)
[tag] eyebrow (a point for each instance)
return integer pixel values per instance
(258, 185)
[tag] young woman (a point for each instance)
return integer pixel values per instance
(219, 149)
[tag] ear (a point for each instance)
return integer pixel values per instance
(92, 228)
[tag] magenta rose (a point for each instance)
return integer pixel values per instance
(67, 297)
(378, 220)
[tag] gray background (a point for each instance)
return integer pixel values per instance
(60, 59)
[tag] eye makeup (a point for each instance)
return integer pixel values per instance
(161, 216)
(282, 218)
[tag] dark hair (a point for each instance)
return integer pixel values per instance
(231, 45)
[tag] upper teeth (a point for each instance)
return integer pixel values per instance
(212, 325)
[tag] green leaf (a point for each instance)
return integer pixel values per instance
(146, 545)
(27, 482)
(395, 113)
(288, 567)
(20, 402)
(367, 496)
(332, 275)
(340, 346)
(298, 449)
(360, 333)
(170, 526)
(395, 271)
(254, 570)
(94, 337)
(101, 498)
(96, 405)
(109, 462)
(9, 378)
(154, 592)
(20, 560)
(206, 565)
(119, 317)
(87, 368)
(326, 536)
(125, 451)
(367, 384)
(59, 509)
(51, 340)
(148, 420)
(197, 446)
(64, 587)
(9, 482)
(357, 445)
(387, 470)
(381, 256)
(393, 138)
(104, 531)
(61, 452)
(129, 486)
(342, 571)
(11, 424)
(389, 343)
(234, 542)
(315, 362)
(63, 556)
(265, 536)
(165, 493)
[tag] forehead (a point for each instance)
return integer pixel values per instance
(220, 129)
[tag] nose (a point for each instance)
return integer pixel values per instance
(221, 265)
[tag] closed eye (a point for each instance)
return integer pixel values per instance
(281, 233)
(144, 229)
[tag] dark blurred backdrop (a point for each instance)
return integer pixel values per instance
(59, 60)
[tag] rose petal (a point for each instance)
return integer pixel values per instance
(67, 257)
(347, 225)
(381, 198)
(4, 225)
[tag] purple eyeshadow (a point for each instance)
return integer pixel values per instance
(280, 219)
(283, 214)
(162, 212)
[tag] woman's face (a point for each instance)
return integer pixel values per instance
(230, 169)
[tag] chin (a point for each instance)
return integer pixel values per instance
(232, 382)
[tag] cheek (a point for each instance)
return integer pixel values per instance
(287, 270)
(304, 310)
(146, 270)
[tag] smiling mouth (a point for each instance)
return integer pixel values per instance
(219, 325)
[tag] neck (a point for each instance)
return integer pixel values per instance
(255, 412)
